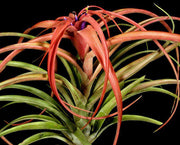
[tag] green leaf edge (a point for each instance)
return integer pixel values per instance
(49, 125)
(44, 135)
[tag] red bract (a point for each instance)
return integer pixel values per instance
(88, 39)
(86, 34)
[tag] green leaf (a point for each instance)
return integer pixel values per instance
(154, 83)
(30, 117)
(96, 95)
(135, 66)
(24, 65)
(126, 90)
(6, 105)
(32, 76)
(111, 103)
(69, 71)
(127, 117)
(39, 104)
(116, 57)
(129, 88)
(44, 135)
(140, 118)
(41, 94)
(49, 125)
(3, 34)
(114, 26)
(172, 21)
(24, 78)
(77, 96)
(65, 94)
(150, 89)
(151, 86)
(82, 139)
(132, 55)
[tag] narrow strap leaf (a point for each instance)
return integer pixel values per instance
(41, 94)
(35, 126)
(16, 34)
(141, 118)
(29, 117)
(39, 103)
(44, 135)
(24, 65)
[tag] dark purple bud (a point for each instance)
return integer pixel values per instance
(75, 15)
(83, 25)
(76, 18)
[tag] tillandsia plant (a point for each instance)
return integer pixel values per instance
(99, 74)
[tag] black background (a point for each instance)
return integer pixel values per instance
(19, 15)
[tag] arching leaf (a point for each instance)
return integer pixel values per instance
(41, 125)
(45, 135)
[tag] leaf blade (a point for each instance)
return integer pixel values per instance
(141, 118)
(41, 94)
(40, 104)
(41, 125)
(44, 135)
